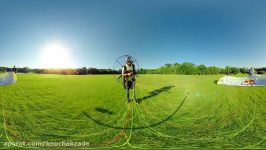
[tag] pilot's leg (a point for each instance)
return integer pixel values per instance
(127, 90)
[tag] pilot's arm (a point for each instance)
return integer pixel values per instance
(124, 74)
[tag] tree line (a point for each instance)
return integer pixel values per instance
(65, 71)
(186, 68)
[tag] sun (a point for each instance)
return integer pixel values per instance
(55, 55)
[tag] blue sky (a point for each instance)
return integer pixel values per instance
(155, 32)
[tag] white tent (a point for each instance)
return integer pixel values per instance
(8, 78)
(255, 80)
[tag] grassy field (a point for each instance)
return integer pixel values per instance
(174, 111)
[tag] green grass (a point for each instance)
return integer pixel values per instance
(176, 111)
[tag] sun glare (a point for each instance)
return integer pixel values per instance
(55, 55)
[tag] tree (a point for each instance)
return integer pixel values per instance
(212, 70)
(202, 69)
(167, 65)
(177, 67)
(82, 70)
(235, 70)
(228, 70)
(223, 71)
(2, 69)
(243, 70)
(23, 70)
(189, 68)
(142, 71)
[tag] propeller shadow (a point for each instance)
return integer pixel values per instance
(103, 110)
(142, 127)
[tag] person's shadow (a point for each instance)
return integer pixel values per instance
(154, 93)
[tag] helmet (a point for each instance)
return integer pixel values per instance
(129, 59)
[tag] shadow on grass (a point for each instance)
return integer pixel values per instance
(103, 110)
(143, 127)
(215, 81)
(155, 93)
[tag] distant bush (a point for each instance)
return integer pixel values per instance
(2, 69)
(261, 70)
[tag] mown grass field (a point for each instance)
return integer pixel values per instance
(174, 111)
